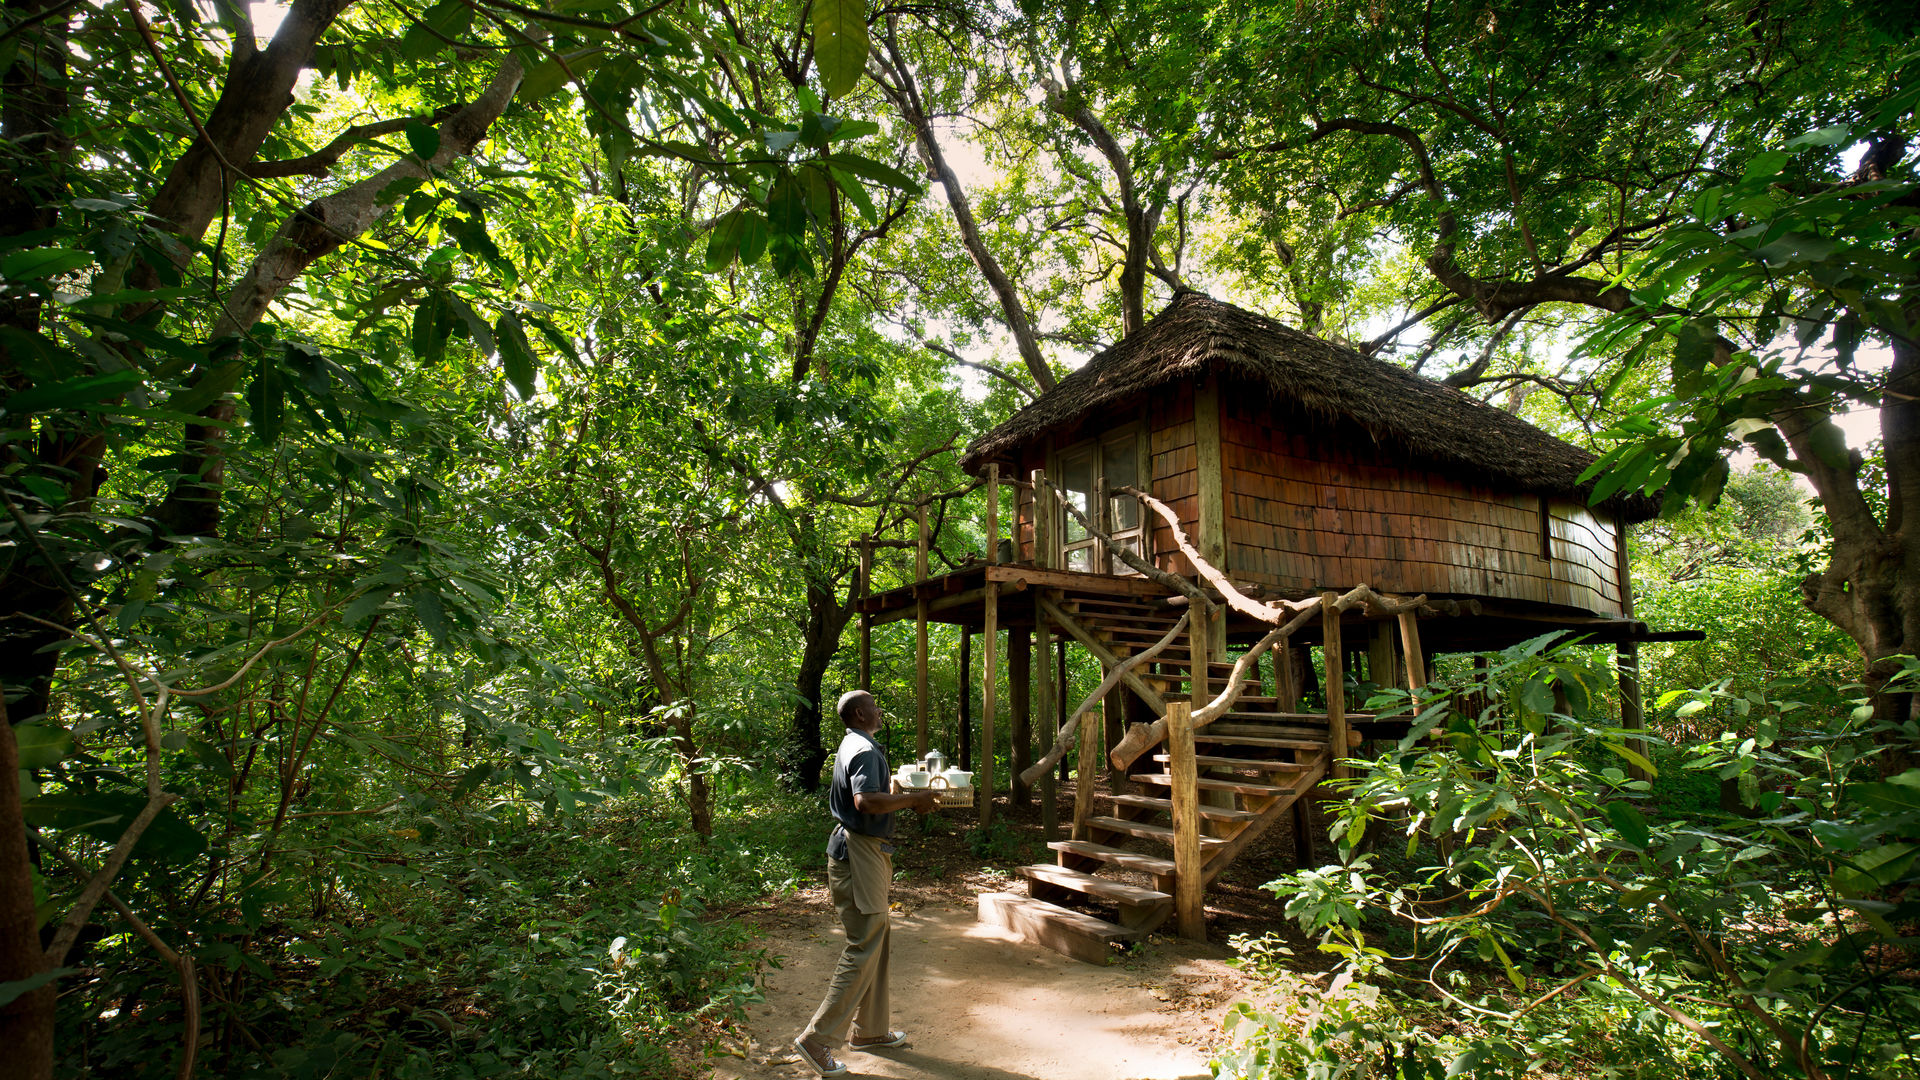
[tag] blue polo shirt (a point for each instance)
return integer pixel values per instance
(859, 766)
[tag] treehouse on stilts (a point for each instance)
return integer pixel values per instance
(1241, 521)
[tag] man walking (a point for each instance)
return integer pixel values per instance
(859, 870)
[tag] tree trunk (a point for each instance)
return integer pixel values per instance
(827, 618)
(26, 1022)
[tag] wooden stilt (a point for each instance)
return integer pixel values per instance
(1116, 710)
(1063, 694)
(963, 751)
(1043, 688)
(1632, 715)
(1416, 660)
(1336, 688)
(1383, 666)
(1019, 710)
(1302, 835)
(1087, 770)
(866, 620)
(989, 677)
(1188, 906)
(920, 640)
(993, 512)
(1286, 684)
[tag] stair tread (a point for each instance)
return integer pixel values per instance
(1104, 888)
(1203, 735)
(1148, 832)
(1242, 763)
(1131, 860)
(1210, 783)
(1214, 813)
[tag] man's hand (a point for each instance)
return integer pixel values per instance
(926, 802)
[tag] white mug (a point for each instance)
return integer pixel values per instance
(915, 778)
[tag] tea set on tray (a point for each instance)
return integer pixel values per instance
(931, 772)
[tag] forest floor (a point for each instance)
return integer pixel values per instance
(981, 1005)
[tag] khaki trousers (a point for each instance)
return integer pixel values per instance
(857, 994)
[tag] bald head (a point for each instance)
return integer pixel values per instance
(858, 710)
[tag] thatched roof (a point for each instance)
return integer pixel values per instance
(1420, 417)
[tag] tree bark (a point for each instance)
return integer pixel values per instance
(827, 617)
(26, 1022)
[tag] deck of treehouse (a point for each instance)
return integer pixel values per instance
(1204, 508)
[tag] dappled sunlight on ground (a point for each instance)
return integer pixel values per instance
(980, 1005)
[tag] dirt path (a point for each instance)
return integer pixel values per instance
(981, 1005)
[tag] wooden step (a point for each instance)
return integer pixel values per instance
(1247, 764)
(1211, 783)
(1064, 930)
(1319, 716)
(1093, 620)
(1148, 832)
(1257, 716)
(1207, 736)
(1121, 857)
(1211, 813)
(1095, 605)
(1118, 892)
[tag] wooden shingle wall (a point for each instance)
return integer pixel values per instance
(1176, 474)
(1308, 509)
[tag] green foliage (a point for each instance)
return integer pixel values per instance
(574, 952)
(1775, 941)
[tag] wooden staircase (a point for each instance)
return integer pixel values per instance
(1254, 764)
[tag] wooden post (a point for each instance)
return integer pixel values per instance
(1285, 684)
(1199, 637)
(866, 620)
(1336, 681)
(1627, 655)
(963, 752)
(1209, 478)
(993, 512)
(1043, 690)
(1042, 521)
(1416, 660)
(1382, 665)
(1086, 768)
(1114, 709)
(1019, 711)
(920, 637)
(1049, 789)
(1188, 907)
(989, 675)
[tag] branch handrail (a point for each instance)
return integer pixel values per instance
(1142, 737)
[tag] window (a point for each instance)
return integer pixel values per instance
(1090, 474)
(1546, 529)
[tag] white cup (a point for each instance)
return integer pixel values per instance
(915, 778)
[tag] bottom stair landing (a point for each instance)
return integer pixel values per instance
(1064, 930)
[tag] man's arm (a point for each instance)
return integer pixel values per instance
(877, 802)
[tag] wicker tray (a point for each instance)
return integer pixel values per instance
(955, 796)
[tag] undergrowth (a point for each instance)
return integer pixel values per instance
(524, 946)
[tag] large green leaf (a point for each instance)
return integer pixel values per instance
(516, 353)
(105, 815)
(42, 745)
(87, 392)
(840, 43)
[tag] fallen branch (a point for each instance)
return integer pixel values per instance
(1065, 738)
